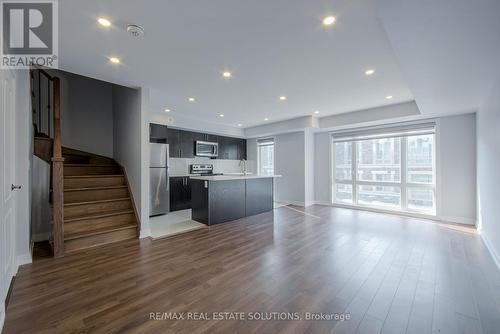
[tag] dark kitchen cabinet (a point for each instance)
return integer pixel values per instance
(232, 148)
(157, 133)
(228, 148)
(182, 144)
(188, 139)
(174, 142)
(242, 149)
(180, 193)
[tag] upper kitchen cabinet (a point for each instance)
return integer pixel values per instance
(174, 142)
(157, 133)
(188, 139)
(232, 148)
(182, 143)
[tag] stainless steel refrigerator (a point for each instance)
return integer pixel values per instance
(159, 184)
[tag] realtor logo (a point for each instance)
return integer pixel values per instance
(29, 33)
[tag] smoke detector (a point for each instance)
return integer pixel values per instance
(135, 30)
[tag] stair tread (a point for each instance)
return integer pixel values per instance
(97, 231)
(94, 188)
(98, 201)
(109, 213)
(93, 176)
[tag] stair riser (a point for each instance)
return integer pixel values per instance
(95, 208)
(100, 239)
(91, 170)
(80, 159)
(94, 195)
(94, 182)
(104, 222)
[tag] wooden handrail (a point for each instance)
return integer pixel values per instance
(57, 174)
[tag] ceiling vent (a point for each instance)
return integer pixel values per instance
(135, 30)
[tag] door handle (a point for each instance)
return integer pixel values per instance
(15, 187)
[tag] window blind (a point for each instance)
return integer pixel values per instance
(265, 141)
(367, 133)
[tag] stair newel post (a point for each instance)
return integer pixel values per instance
(57, 173)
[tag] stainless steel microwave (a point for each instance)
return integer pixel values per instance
(207, 149)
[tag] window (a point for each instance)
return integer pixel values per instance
(266, 156)
(392, 169)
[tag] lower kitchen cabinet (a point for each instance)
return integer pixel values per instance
(180, 193)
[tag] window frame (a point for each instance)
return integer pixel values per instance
(403, 185)
(258, 152)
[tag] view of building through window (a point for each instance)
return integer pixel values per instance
(391, 172)
(266, 157)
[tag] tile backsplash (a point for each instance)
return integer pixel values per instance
(180, 166)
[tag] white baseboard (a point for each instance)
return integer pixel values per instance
(290, 202)
(491, 249)
(457, 220)
(41, 236)
(145, 233)
(24, 259)
(323, 203)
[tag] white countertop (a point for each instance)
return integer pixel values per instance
(228, 177)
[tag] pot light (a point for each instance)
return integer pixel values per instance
(370, 72)
(388, 97)
(282, 98)
(329, 20)
(221, 115)
(104, 22)
(240, 125)
(226, 75)
(114, 60)
(266, 119)
(191, 99)
(167, 110)
(316, 112)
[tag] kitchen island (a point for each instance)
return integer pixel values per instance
(221, 198)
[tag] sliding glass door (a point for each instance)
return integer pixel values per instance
(393, 170)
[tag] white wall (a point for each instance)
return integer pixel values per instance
(457, 168)
(488, 167)
(183, 122)
(457, 160)
(290, 162)
(127, 135)
(322, 168)
(86, 113)
(309, 183)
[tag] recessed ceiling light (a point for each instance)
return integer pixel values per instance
(191, 99)
(167, 110)
(282, 98)
(240, 125)
(114, 60)
(221, 115)
(316, 112)
(104, 22)
(388, 97)
(226, 74)
(370, 72)
(329, 20)
(266, 119)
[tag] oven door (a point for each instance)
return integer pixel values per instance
(207, 149)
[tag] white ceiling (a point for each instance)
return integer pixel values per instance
(272, 47)
(448, 50)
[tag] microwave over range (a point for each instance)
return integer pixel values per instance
(207, 149)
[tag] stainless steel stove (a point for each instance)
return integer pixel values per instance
(202, 169)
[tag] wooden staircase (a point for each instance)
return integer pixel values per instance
(98, 208)
(90, 195)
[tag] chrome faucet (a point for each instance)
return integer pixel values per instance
(244, 162)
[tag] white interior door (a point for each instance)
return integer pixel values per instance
(7, 240)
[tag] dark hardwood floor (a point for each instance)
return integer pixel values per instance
(388, 273)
